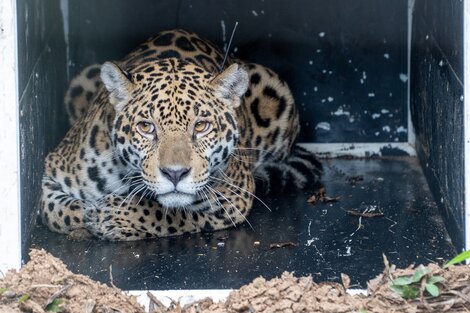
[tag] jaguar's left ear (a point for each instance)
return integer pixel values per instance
(231, 85)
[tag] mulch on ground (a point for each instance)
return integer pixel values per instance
(45, 284)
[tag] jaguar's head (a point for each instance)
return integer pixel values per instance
(175, 124)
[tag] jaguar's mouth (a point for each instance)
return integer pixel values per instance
(174, 192)
(176, 199)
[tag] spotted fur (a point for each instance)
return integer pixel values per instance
(138, 161)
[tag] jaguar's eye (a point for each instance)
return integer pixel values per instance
(146, 129)
(202, 127)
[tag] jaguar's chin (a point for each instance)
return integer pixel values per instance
(176, 199)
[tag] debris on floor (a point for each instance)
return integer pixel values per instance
(354, 179)
(278, 245)
(290, 294)
(321, 196)
(364, 214)
(44, 284)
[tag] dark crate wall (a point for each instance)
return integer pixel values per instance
(41, 83)
(346, 61)
(437, 105)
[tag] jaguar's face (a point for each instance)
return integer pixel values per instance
(175, 125)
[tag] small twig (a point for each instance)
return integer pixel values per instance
(451, 302)
(466, 289)
(155, 302)
(421, 295)
(46, 286)
(364, 214)
(110, 309)
(111, 280)
(175, 305)
(56, 295)
(461, 295)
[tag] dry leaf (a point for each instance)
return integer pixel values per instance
(282, 245)
(321, 196)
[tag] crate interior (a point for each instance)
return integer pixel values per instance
(361, 72)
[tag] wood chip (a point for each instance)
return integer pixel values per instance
(364, 214)
(354, 179)
(321, 196)
(346, 280)
(312, 199)
(282, 245)
(89, 306)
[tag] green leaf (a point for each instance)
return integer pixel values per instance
(410, 292)
(2, 290)
(23, 298)
(54, 306)
(459, 258)
(420, 273)
(402, 281)
(406, 291)
(432, 289)
(435, 279)
(363, 311)
(397, 289)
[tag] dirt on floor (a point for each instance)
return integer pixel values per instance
(45, 285)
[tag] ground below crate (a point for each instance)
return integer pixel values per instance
(44, 284)
(384, 206)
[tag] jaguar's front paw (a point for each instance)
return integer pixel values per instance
(79, 234)
(109, 223)
(94, 220)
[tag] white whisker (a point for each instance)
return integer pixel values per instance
(239, 188)
(233, 206)
(211, 190)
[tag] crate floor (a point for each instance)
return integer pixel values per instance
(327, 240)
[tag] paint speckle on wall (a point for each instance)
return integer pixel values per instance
(323, 126)
(375, 116)
(340, 112)
(403, 77)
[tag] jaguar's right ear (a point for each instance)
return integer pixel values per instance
(118, 83)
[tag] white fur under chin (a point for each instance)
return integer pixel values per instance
(176, 200)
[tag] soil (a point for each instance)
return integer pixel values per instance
(45, 285)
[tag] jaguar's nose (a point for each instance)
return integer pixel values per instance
(175, 175)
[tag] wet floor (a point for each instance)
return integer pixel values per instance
(384, 206)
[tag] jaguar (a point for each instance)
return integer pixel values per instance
(170, 140)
